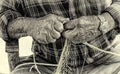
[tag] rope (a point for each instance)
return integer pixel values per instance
(35, 65)
(101, 50)
(32, 63)
(83, 66)
(64, 55)
(62, 59)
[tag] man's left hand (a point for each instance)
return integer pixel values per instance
(82, 29)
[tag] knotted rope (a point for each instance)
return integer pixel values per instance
(63, 65)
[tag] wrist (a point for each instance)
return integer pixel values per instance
(102, 24)
(18, 27)
(108, 18)
(106, 23)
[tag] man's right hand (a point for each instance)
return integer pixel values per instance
(47, 29)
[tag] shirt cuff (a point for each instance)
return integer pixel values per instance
(5, 18)
(114, 11)
(107, 23)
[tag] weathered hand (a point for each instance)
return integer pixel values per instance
(82, 29)
(47, 29)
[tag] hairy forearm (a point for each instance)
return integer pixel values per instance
(18, 28)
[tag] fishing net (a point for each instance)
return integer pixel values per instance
(69, 59)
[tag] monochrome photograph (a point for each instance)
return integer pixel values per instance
(59, 36)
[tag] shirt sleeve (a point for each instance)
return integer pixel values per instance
(8, 12)
(114, 10)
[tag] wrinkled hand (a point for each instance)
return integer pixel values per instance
(82, 29)
(47, 29)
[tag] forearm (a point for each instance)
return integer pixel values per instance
(19, 27)
(8, 13)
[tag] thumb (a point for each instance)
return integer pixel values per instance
(63, 20)
(70, 25)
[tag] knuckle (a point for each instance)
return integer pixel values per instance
(57, 35)
(48, 27)
(65, 35)
(50, 38)
(52, 19)
(75, 42)
(52, 41)
(52, 15)
(61, 28)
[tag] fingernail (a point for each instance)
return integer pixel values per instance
(66, 20)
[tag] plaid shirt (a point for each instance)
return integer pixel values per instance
(11, 9)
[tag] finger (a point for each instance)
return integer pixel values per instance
(62, 19)
(69, 34)
(55, 34)
(42, 38)
(71, 25)
(58, 26)
(50, 38)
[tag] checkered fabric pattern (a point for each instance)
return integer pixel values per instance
(11, 9)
